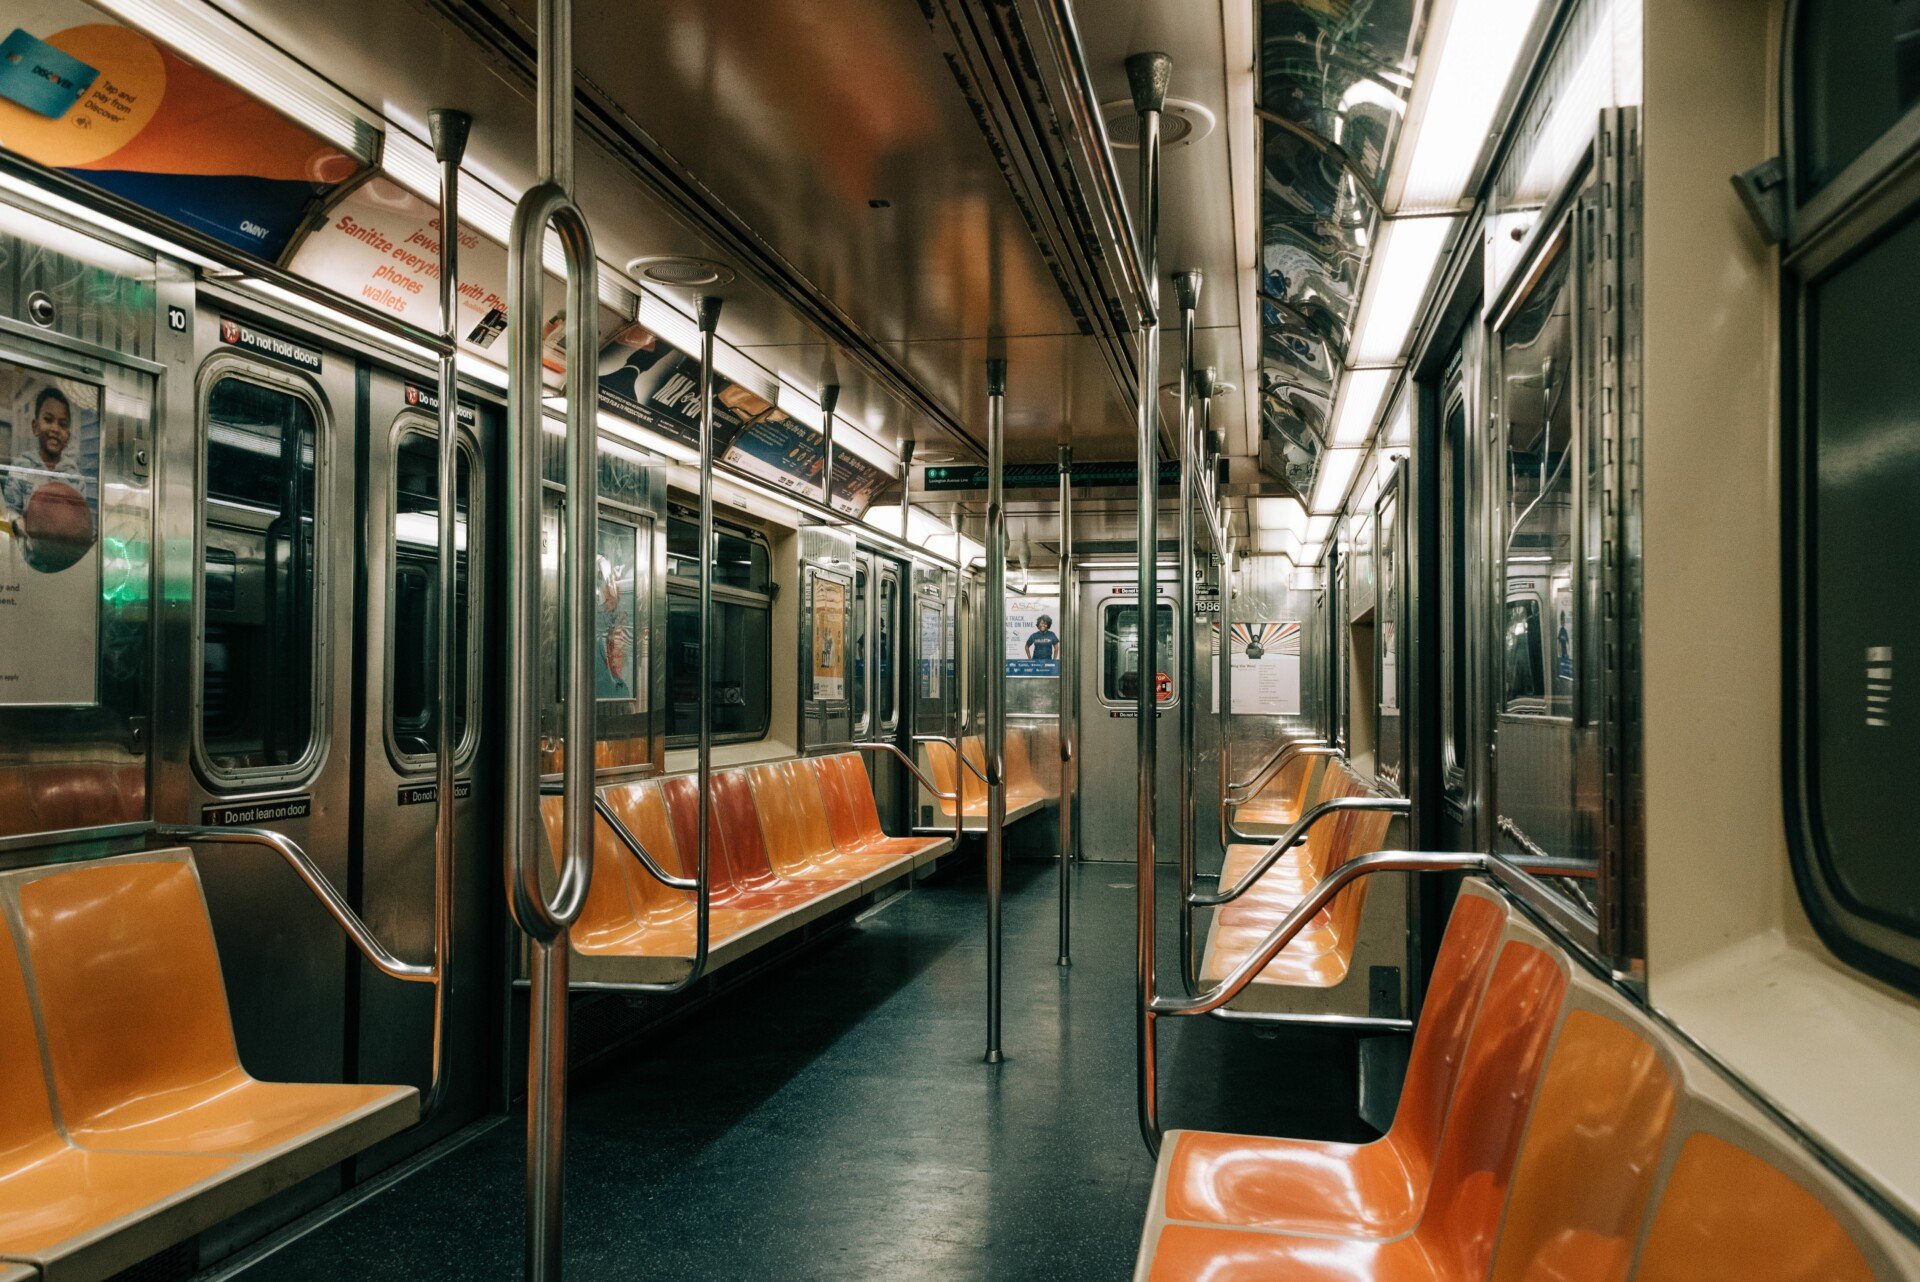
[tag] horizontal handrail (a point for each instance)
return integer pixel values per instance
(1292, 837)
(1317, 898)
(627, 839)
(960, 756)
(878, 746)
(1246, 788)
(316, 881)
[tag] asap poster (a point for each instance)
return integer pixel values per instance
(85, 94)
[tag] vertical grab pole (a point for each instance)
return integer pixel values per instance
(1069, 710)
(1148, 74)
(995, 675)
(829, 398)
(449, 130)
(1186, 292)
(546, 921)
(707, 309)
(1225, 678)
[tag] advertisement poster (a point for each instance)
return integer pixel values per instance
(933, 648)
(49, 538)
(829, 639)
(619, 658)
(1265, 663)
(84, 94)
(783, 451)
(1032, 645)
(646, 380)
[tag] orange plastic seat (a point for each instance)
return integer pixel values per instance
(972, 790)
(1021, 793)
(853, 816)
(793, 823)
(1376, 1188)
(53, 1193)
(738, 872)
(139, 1036)
(161, 1133)
(1454, 1237)
(1281, 800)
(1728, 1215)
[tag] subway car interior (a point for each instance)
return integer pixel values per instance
(709, 813)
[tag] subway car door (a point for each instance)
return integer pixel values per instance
(260, 484)
(396, 680)
(1113, 662)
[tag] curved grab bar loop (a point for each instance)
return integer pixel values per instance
(548, 204)
(870, 745)
(1293, 837)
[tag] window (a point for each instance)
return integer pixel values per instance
(1854, 524)
(414, 606)
(741, 671)
(1389, 748)
(1857, 74)
(1120, 652)
(1454, 696)
(259, 646)
(857, 645)
(889, 624)
(1537, 405)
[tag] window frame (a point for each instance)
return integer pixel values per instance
(413, 421)
(1873, 197)
(686, 587)
(1456, 534)
(216, 369)
(886, 675)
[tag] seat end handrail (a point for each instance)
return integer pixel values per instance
(625, 837)
(880, 745)
(1322, 893)
(1246, 789)
(959, 756)
(1293, 837)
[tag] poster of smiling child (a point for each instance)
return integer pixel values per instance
(49, 538)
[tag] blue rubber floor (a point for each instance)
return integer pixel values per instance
(834, 1119)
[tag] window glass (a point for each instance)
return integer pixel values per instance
(258, 579)
(416, 544)
(1537, 404)
(742, 669)
(857, 647)
(741, 673)
(1858, 73)
(1388, 614)
(1862, 630)
(1120, 652)
(1453, 596)
(888, 676)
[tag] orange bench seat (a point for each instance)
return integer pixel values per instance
(1024, 793)
(1548, 1129)
(1281, 800)
(788, 842)
(128, 1123)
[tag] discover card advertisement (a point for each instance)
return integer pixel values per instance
(49, 538)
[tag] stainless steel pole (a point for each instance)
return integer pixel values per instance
(829, 397)
(1069, 710)
(1186, 291)
(995, 675)
(707, 310)
(1148, 74)
(449, 130)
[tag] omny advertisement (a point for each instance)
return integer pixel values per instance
(1265, 668)
(1032, 645)
(49, 538)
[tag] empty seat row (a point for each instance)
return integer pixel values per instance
(788, 842)
(1322, 954)
(1026, 794)
(1280, 800)
(1547, 1129)
(127, 1123)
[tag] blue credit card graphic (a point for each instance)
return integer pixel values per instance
(41, 78)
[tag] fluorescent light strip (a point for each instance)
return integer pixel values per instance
(1396, 285)
(1358, 403)
(1318, 527)
(88, 249)
(1458, 86)
(203, 34)
(1336, 473)
(1279, 514)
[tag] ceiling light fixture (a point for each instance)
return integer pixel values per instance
(1336, 473)
(1396, 286)
(1475, 47)
(1359, 402)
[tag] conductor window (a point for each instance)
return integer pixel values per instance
(259, 648)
